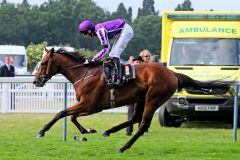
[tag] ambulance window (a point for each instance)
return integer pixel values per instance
(207, 51)
(228, 52)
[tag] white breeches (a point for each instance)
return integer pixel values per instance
(121, 41)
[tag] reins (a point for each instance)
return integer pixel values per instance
(51, 60)
(80, 80)
(73, 67)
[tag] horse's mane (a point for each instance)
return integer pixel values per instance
(73, 54)
(77, 56)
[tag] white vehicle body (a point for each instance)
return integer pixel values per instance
(18, 55)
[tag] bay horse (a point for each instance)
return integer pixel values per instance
(153, 86)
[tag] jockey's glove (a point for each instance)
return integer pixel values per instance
(93, 60)
(86, 61)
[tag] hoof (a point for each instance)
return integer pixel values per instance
(84, 139)
(40, 135)
(90, 130)
(79, 139)
(120, 150)
(105, 134)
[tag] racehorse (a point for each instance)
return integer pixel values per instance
(153, 86)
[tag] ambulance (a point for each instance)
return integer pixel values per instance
(204, 45)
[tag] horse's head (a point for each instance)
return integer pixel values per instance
(46, 70)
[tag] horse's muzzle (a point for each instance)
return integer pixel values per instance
(41, 80)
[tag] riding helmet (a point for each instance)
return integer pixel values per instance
(86, 25)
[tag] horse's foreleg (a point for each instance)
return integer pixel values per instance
(51, 123)
(81, 128)
(136, 117)
(70, 111)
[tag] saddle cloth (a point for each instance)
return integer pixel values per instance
(128, 72)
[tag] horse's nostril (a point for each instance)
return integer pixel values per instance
(34, 82)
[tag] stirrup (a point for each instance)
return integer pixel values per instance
(109, 83)
(117, 83)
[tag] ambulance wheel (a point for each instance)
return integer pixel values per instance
(166, 120)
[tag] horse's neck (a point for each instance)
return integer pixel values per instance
(76, 75)
(75, 71)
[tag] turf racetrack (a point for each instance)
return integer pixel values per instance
(195, 141)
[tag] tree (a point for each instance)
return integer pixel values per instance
(148, 9)
(129, 15)
(25, 3)
(54, 21)
(34, 54)
(178, 8)
(12, 25)
(185, 6)
(123, 13)
(147, 35)
(4, 2)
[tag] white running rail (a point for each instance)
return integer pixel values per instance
(18, 94)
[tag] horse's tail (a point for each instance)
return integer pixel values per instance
(199, 87)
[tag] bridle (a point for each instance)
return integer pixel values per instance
(49, 63)
(46, 76)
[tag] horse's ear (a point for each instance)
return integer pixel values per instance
(51, 52)
(46, 50)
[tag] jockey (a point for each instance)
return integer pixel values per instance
(118, 29)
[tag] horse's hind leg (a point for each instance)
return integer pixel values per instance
(151, 105)
(145, 123)
(136, 117)
(79, 127)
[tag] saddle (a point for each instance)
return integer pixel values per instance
(128, 72)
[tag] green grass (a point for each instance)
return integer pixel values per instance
(195, 141)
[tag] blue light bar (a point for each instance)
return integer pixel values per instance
(203, 16)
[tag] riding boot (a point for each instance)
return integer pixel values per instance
(116, 72)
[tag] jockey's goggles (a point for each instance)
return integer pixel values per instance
(84, 32)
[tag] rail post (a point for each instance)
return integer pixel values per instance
(235, 113)
(6, 97)
(65, 118)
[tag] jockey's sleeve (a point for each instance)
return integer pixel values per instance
(103, 37)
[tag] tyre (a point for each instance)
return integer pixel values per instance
(164, 117)
(166, 120)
